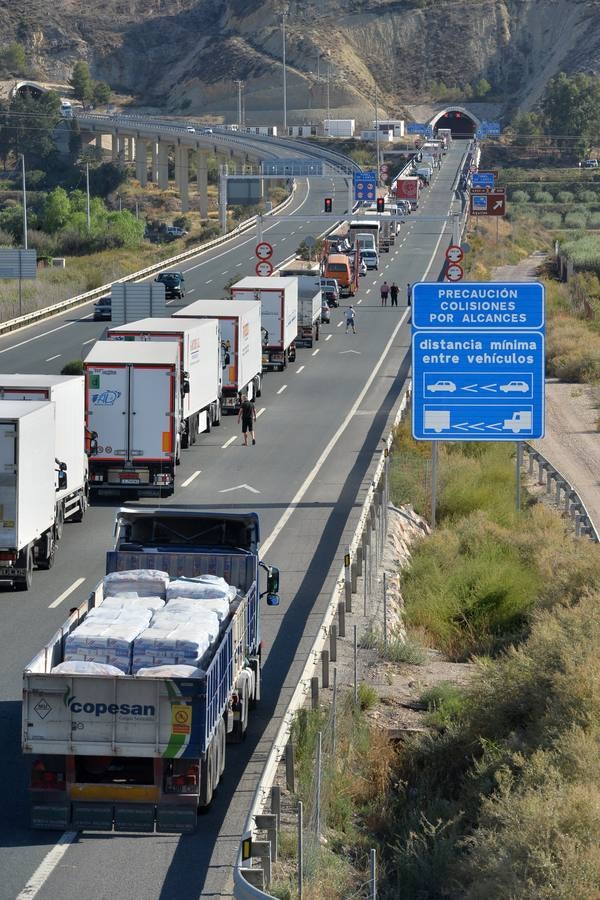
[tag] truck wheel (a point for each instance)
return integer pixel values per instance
(206, 779)
(185, 437)
(223, 745)
(60, 521)
(24, 584)
(259, 387)
(48, 562)
(217, 418)
(317, 334)
(80, 514)
(238, 733)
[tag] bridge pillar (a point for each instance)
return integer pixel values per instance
(202, 185)
(141, 164)
(98, 142)
(182, 176)
(154, 164)
(114, 147)
(120, 149)
(130, 149)
(163, 165)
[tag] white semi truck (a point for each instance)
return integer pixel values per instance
(200, 361)
(67, 394)
(134, 416)
(279, 316)
(144, 749)
(29, 478)
(240, 343)
(309, 297)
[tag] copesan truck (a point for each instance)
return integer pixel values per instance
(133, 408)
(67, 394)
(29, 479)
(200, 362)
(144, 752)
(309, 297)
(240, 345)
(407, 188)
(279, 316)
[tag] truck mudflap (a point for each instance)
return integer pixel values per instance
(51, 816)
(138, 817)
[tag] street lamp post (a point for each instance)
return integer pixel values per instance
(239, 83)
(283, 18)
(24, 202)
(377, 132)
(87, 191)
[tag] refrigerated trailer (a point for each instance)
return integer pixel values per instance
(200, 362)
(279, 316)
(240, 340)
(308, 275)
(134, 416)
(140, 753)
(67, 394)
(28, 535)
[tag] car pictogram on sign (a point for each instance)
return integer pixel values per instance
(454, 272)
(263, 250)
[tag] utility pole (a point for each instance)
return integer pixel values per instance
(377, 132)
(87, 188)
(239, 83)
(283, 18)
(328, 71)
(24, 202)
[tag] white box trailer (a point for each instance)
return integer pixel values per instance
(133, 414)
(240, 345)
(27, 490)
(309, 297)
(67, 393)
(200, 363)
(130, 302)
(279, 316)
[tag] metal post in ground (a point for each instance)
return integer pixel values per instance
(347, 580)
(434, 480)
(373, 875)
(334, 715)
(355, 648)
(384, 609)
(365, 569)
(300, 849)
(518, 476)
(318, 797)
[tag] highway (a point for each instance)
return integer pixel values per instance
(320, 421)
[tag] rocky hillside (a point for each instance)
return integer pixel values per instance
(186, 54)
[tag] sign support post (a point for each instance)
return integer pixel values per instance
(518, 474)
(434, 481)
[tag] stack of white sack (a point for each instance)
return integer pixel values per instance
(107, 633)
(128, 601)
(81, 667)
(180, 634)
(214, 592)
(145, 582)
(170, 672)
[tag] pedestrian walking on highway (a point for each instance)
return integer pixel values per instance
(350, 320)
(394, 293)
(384, 291)
(247, 413)
(408, 294)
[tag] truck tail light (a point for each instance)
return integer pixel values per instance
(97, 476)
(42, 779)
(6, 556)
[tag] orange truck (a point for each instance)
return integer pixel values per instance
(344, 268)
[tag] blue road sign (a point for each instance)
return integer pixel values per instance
(478, 361)
(484, 179)
(492, 128)
(481, 305)
(476, 386)
(365, 186)
(416, 128)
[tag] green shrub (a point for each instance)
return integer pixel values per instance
(445, 704)
(403, 651)
(520, 197)
(543, 197)
(576, 220)
(594, 220)
(75, 367)
(585, 252)
(587, 196)
(367, 696)
(551, 220)
(565, 197)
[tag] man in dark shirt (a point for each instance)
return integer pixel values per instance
(247, 413)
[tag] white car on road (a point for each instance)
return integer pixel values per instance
(448, 386)
(515, 387)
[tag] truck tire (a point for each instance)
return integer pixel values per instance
(238, 732)
(217, 417)
(185, 437)
(207, 770)
(48, 562)
(317, 333)
(258, 387)
(24, 584)
(83, 505)
(59, 521)
(223, 746)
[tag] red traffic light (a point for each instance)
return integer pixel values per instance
(380, 204)
(328, 204)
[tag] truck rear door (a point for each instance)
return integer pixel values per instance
(8, 484)
(152, 412)
(107, 410)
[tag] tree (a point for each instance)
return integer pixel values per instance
(81, 82)
(481, 88)
(28, 125)
(57, 210)
(571, 106)
(101, 93)
(13, 59)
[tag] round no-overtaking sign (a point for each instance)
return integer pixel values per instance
(454, 253)
(264, 250)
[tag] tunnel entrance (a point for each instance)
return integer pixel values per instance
(460, 123)
(30, 90)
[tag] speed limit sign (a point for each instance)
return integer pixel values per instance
(263, 250)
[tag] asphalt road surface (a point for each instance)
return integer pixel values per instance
(319, 424)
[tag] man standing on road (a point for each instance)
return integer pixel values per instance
(384, 291)
(394, 293)
(350, 320)
(247, 413)
(408, 294)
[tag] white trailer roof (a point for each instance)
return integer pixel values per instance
(216, 308)
(272, 283)
(34, 381)
(148, 352)
(157, 325)
(18, 409)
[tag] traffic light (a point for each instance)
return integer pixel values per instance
(328, 204)
(380, 204)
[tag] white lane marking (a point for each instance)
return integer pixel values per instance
(299, 370)
(66, 593)
(358, 302)
(314, 353)
(227, 443)
(190, 290)
(282, 389)
(335, 438)
(91, 341)
(225, 272)
(339, 324)
(47, 866)
(208, 281)
(282, 239)
(251, 258)
(261, 411)
(50, 358)
(44, 334)
(329, 336)
(368, 291)
(192, 477)
(237, 265)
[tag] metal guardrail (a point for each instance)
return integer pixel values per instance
(565, 493)
(81, 299)
(375, 504)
